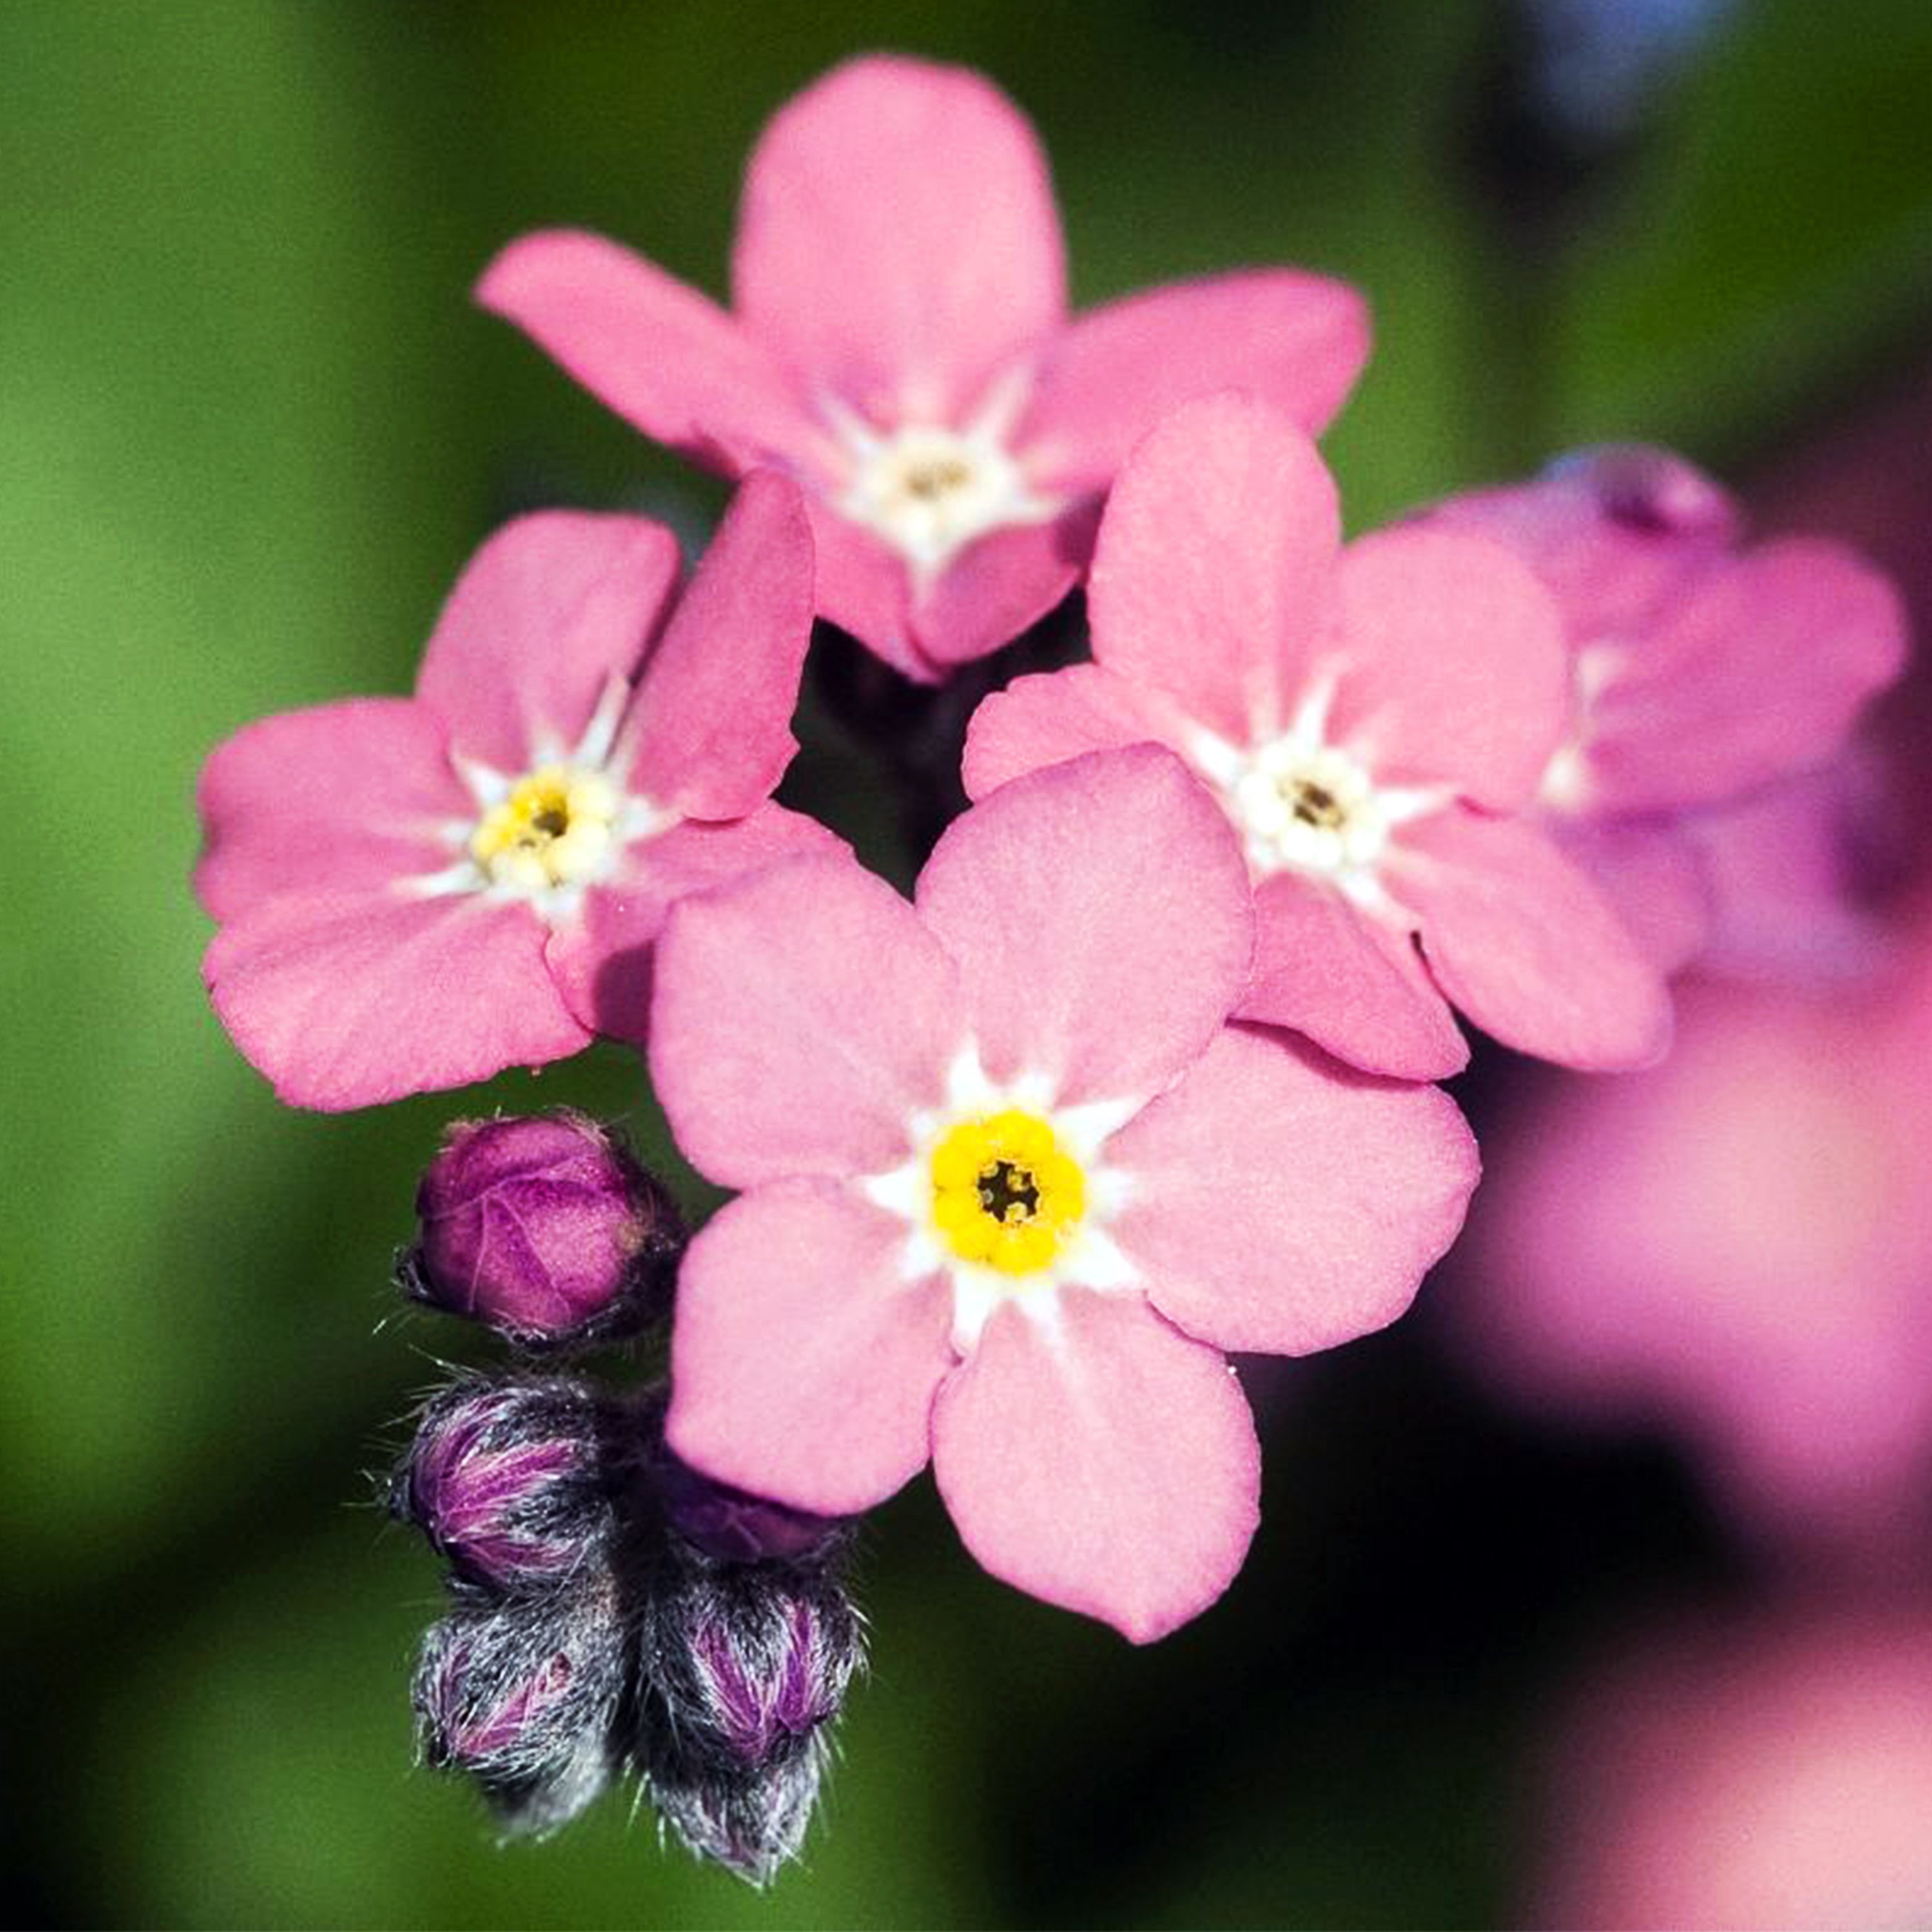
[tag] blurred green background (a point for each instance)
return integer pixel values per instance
(250, 428)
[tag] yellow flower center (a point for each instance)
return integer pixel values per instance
(553, 829)
(1005, 1193)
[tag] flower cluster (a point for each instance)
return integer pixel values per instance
(1136, 1079)
(613, 1609)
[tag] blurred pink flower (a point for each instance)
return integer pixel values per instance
(1738, 1244)
(1701, 675)
(1771, 1775)
(1013, 1186)
(1370, 719)
(416, 892)
(901, 343)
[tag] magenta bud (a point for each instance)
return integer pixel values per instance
(745, 1663)
(730, 1525)
(524, 1699)
(543, 1228)
(734, 1526)
(506, 1479)
(1647, 488)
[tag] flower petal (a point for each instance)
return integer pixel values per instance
(1107, 1464)
(1281, 1203)
(550, 608)
(1050, 717)
(798, 1019)
(803, 1364)
(1653, 875)
(898, 242)
(709, 731)
(1789, 877)
(1522, 941)
(996, 587)
(1611, 532)
(345, 1000)
(1100, 915)
(1296, 341)
(663, 356)
(601, 961)
(1455, 670)
(1352, 983)
(866, 589)
(1756, 673)
(339, 796)
(1215, 565)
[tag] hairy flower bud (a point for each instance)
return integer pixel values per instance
(545, 1228)
(753, 1823)
(743, 1667)
(747, 1660)
(506, 1479)
(524, 1698)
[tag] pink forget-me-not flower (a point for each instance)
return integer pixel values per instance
(416, 892)
(1012, 1185)
(900, 342)
(1701, 674)
(1373, 719)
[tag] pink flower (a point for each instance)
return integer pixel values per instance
(1737, 1245)
(901, 343)
(1370, 719)
(1013, 1186)
(417, 892)
(1699, 675)
(1748, 1774)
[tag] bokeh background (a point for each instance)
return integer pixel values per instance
(249, 428)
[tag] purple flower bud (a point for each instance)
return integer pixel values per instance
(734, 1526)
(745, 1663)
(753, 1823)
(730, 1525)
(506, 1480)
(524, 1698)
(1646, 488)
(545, 1228)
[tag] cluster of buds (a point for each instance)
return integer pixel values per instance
(612, 1608)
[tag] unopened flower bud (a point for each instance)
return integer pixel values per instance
(734, 1526)
(506, 1480)
(745, 1662)
(729, 1524)
(752, 1823)
(545, 1228)
(524, 1698)
(1647, 488)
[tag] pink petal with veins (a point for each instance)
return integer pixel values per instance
(547, 612)
(1108, 1464)
(898, 242)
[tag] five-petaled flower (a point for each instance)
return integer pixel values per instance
(416, 892)
(1700, 674)
(1371, 719)
(1012, 1185)
(901, 343)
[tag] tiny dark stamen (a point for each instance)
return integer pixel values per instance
(1008, 1186)
(553, 823)
(1316, 805)
(932, 481)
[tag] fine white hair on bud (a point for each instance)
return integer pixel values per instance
(524, 1696)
